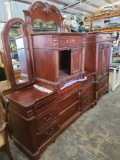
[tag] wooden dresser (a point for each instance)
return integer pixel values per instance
(64, 78)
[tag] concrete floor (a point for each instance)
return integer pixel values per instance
(94, 136)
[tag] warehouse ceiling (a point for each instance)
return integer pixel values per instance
(76, 7)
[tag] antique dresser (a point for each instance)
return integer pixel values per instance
(55, 86)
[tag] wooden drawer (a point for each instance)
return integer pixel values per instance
(48, 117)
(40, 107)
(64, 116)
(102, 91)
(103, 37)
(86, 90)
(47, 133)
(87, 101)
(102, 82)
(69, 90)
(90, 79)
(68, 101)
(70, 41)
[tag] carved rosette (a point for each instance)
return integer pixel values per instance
(47, 9)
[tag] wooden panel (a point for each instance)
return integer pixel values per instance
(106, 58)
(102, 91)
(46, 134)
(102, 82)
(68, 101)
(64, 116)
(70, 41)
(90, 79)
(87, 101)
(76, 61)
(69, 90)
(45, 119)
(45, 64)
(103, 37)
(41, 106)
(88, 89)
(100, 61)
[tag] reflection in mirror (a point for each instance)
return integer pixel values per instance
(17, 53)
(41, 26)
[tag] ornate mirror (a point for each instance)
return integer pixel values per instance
(16, 48)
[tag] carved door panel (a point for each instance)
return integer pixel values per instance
(76, 57)
(100, 60)
(106, 57)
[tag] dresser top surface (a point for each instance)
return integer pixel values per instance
(28, 96)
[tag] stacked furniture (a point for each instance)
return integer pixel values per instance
(60, 87)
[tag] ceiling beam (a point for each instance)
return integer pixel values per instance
(109, 2)
(68, 12)
(84, 10)
(93, 5)
(22, 1)
(58, 2)
(79, 8)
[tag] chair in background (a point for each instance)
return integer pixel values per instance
(4, 142)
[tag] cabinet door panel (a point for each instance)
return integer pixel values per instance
(106, 59)
(100, 60)
(76, 57)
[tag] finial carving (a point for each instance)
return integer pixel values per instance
(47, 9)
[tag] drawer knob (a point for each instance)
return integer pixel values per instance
(49, 133)
(48, 118)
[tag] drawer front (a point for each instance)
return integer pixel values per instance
(46, 134)
(103, 37)
(102, 82)
(68, 101)
(102, 91)
(90, 79)
(48, 117)
(87, 101)
(86, 90)
(45, 104)
(69, 90)
(70, 41)
(69, 112)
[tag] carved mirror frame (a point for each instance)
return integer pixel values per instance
(4, 36)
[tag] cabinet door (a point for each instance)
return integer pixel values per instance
(100, 60)
(76, 57)
(106, 58)
(103, 59)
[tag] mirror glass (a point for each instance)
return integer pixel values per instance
(17, 53)
(41, 26)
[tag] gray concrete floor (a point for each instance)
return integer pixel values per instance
(93, 136)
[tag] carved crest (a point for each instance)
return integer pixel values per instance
(47, 9)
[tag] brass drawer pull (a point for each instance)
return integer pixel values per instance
(49, 118)
(49, 133)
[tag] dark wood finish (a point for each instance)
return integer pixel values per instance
(4, 125)
(98, 56)
(60, 62)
